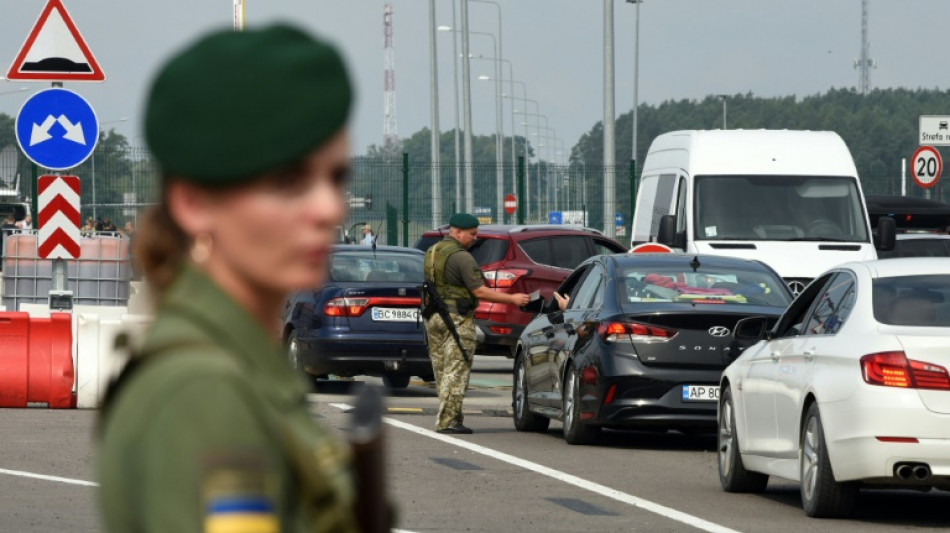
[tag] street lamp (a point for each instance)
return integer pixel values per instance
(434, 117)
(511, 82)
(723, 98)
(636, 105)
(455, 94)
(499, 173)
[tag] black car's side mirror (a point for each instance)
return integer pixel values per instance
(550, 306)
(753, 328)
(534, 306)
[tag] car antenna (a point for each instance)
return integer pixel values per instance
(694, 264)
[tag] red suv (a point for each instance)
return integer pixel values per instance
(517, 258)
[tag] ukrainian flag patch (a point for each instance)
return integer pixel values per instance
(241, 514)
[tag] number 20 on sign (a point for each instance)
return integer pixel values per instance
(926, 166)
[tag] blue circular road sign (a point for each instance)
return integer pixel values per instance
(57, 129)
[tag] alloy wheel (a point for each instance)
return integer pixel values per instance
(811, 447)
(569, 394)
(726, 438)
(520, 391)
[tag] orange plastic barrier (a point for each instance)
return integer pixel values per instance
(36, 362)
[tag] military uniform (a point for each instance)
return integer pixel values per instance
(212, 432)
(208, 429)
(455, 274)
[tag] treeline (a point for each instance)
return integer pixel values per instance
(880, 128)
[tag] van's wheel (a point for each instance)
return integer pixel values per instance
(524, 419)
(396, 381)
(732, 473)
(822, 496)
(575, 431)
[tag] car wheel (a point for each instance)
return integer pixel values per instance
(293, 351)
(575, 431)
(396, 381)
(822, 496)
(732, 473)
(525, 420)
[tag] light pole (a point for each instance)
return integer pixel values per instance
(434, 117)
(499, 144)
(636, 105)
(511, 86)
(467, 112)
(455, 94)
(609, 125)
(723, 98)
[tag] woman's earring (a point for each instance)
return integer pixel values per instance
(201, 248)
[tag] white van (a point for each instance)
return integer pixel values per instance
(791, 199)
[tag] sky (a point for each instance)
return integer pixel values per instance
(688, 49)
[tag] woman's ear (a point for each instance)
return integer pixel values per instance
(190, 207)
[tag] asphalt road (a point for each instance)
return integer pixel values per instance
(495, 480)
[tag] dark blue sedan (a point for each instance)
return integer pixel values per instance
(364, 320)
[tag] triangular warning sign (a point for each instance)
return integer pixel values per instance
(55, 51)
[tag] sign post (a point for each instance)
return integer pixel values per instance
(59, 234)
(511, 204)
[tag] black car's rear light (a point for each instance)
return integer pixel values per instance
(634, 331)
(893, 369)
(353, 307)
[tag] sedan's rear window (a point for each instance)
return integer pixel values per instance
(912, 300)
(704, 286)
(381, 266)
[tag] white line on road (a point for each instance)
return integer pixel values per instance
(49, 478)
(581, 483)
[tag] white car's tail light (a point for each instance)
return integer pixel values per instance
(893, 369)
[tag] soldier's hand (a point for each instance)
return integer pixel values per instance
(521, 299)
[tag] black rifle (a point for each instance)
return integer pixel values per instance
(433, 303)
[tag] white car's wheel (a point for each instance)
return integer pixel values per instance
(732, 473)
(822, 496)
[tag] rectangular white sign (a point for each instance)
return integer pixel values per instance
(934, 130)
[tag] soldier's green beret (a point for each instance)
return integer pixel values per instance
(463, 221)
(234, 105)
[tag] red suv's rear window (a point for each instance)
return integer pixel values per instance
(485, 250)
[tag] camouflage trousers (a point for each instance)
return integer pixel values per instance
(450, 367)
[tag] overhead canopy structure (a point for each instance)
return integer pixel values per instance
(909, 213)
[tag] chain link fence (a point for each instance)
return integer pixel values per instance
(402, 198)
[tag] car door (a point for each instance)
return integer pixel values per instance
(795, 366)
(547, 339)
(566, 334)
(756, 389)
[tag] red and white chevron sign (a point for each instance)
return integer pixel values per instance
(59, 219)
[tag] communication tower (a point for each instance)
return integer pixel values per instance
(390, 132)
(864, 64)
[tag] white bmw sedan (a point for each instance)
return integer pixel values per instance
(850, 388)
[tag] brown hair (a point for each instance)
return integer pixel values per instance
(159, 248)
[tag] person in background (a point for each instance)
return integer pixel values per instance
(368, 237)
(89, 227)
(208, 428)
(26, 223)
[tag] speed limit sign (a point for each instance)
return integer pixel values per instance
(926, 166)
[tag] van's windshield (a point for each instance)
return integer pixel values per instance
(779, 208)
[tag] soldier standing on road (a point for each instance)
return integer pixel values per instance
(458, 280)
(208, 427)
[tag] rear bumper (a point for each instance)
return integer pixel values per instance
(364, 354)
(652, 400)
(498, 340)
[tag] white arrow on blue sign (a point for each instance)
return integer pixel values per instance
(57, 129)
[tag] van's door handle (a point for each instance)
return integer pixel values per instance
(775, 355)
(810, 354)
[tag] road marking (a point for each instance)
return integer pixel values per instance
(578, 482)
(48, 478)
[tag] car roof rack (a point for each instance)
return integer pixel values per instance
(541, 227)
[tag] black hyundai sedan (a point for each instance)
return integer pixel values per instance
(641, 343)
(364, 320)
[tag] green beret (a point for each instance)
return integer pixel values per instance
(463, 221)
(235, 105)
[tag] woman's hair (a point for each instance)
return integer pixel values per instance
(160, 248)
